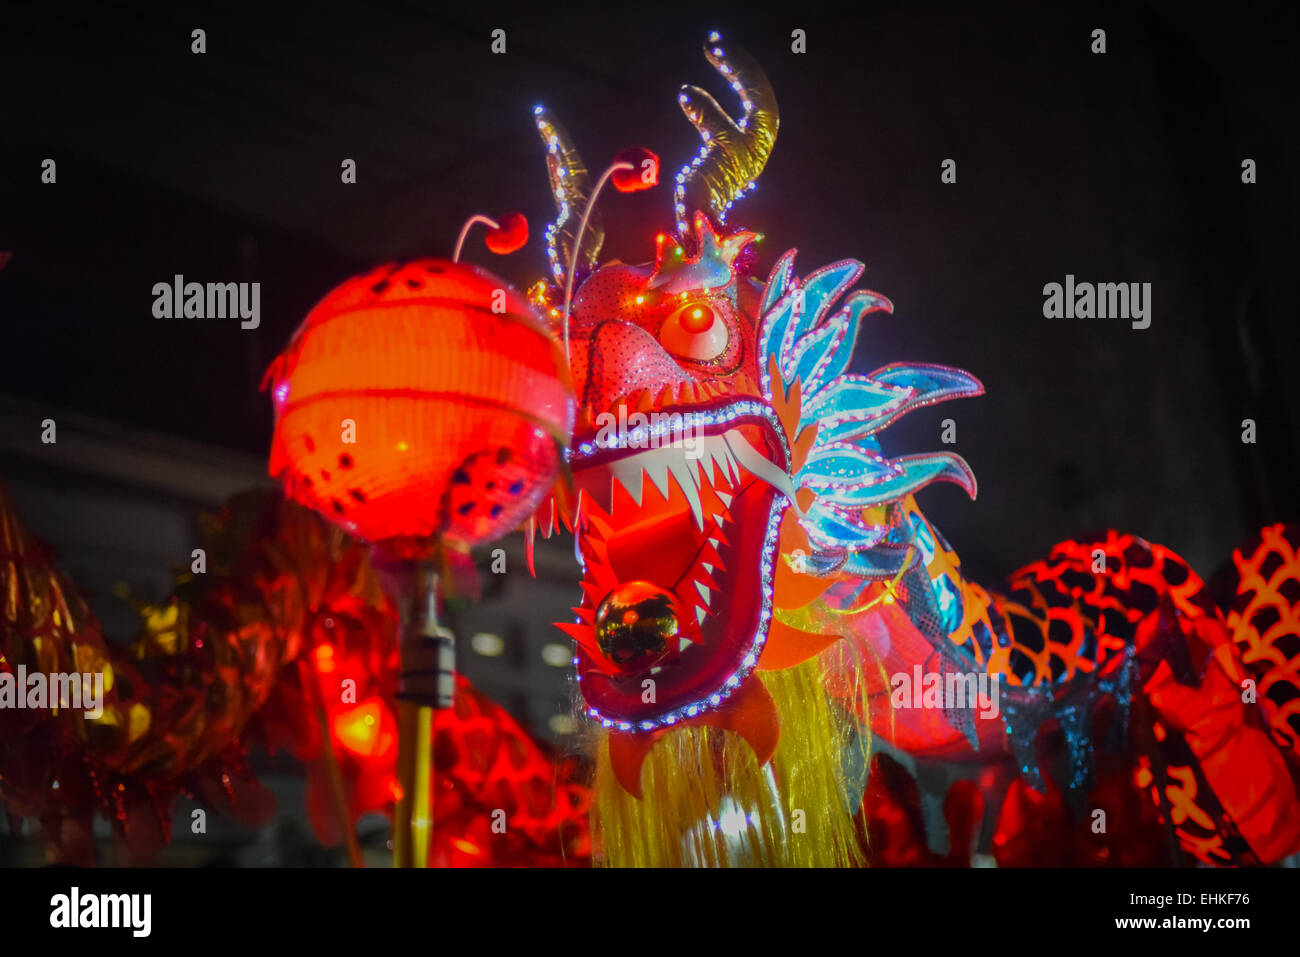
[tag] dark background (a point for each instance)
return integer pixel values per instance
(1120, 167)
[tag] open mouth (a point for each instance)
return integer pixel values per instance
(676, 524)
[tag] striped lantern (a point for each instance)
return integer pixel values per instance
(422, 400)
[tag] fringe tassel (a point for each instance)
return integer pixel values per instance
(708, 804)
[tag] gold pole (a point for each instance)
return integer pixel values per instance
(422, 817)
(425, 682)
(408, 716)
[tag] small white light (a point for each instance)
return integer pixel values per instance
(488, 645)
(562, 724)
(556, 655)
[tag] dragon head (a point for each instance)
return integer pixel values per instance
(725, 463)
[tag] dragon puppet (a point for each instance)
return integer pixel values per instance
(762, 600)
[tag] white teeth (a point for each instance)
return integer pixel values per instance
(708, 567)
(704, 592)
(688, 480)
(630, 477)
(724, 459)
(657, 469)
(715, 543)
(757, 464)
(715, 458)
(729, 455)
(700, 615)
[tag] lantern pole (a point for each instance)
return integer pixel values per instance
(425, 682)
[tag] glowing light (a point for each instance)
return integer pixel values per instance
(698, 319)
(364, 729)
(732, 820)
(556, 655)
(324, 657)
(562, 724)
(487, 644)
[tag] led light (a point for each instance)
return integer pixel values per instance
(562, 724)
(556, 655)
(488, 645)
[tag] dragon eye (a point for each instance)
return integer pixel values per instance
(695, 332)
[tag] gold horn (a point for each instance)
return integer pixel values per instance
(734, 152)
(570, 187)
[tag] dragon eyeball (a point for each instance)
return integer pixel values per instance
(694, 331)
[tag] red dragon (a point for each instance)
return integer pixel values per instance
(756, 568)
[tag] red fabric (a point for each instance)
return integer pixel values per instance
(1248, 773)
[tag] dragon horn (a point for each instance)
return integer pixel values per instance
(734, 153)
(570, 186)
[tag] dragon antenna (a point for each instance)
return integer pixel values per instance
(571, 189)
(734, 151)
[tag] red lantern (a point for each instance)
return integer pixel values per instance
(425, 400)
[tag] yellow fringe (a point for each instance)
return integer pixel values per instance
(708, 804)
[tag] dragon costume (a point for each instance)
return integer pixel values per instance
(761, 595)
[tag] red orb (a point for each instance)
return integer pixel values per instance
(511, 234)
(644, 171)
(423, 400)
